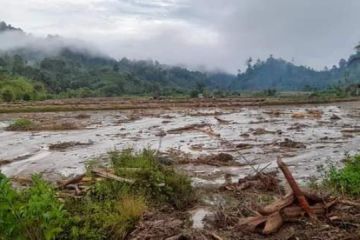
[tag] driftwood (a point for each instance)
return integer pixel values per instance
(104, 174)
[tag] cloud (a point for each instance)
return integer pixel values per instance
(212, 33)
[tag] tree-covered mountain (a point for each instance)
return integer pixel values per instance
(282, 75)
(68, 68)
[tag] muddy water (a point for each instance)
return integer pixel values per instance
(322, 136)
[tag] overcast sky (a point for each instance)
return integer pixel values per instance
(217, 34)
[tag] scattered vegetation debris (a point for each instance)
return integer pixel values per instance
(314, 113)
(310, 113)
(261, 131)
(298, 126)
(159, 226)
(4, 162)
(260, 181)
(288, 143)
(298, 115)
(244, 146)
(351, 130)
(65, 145)
(274, 112)
(220, 159)
(335, 117)
(222, 121)
(202, 127)
(82, 116)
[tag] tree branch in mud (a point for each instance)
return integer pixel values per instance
(296, 189)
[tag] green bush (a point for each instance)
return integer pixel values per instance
(34, 213)
(347, 179)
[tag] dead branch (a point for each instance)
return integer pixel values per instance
(296, 189)
(102, 173)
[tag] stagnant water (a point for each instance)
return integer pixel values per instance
(324, 140)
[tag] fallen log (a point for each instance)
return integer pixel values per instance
(296, 189)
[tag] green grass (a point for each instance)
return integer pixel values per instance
(109, 210)
(346, 180)
(21, 125)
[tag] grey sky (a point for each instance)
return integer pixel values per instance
(213, 33)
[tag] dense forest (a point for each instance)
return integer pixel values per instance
(54, 67)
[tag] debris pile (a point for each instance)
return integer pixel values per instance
(294, 205)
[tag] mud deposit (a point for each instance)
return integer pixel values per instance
(304, 136)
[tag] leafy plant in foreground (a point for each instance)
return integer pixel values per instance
(34, 213)
(347, 179)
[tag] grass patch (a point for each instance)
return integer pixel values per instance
(109, 209)
(21, 125)
(346, 180)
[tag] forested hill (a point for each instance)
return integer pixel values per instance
(282, 75)
(32, 68)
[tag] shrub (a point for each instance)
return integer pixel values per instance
(34, 213)
(158, 183)
(347, 179)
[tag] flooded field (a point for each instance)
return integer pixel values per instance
(305, 137)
